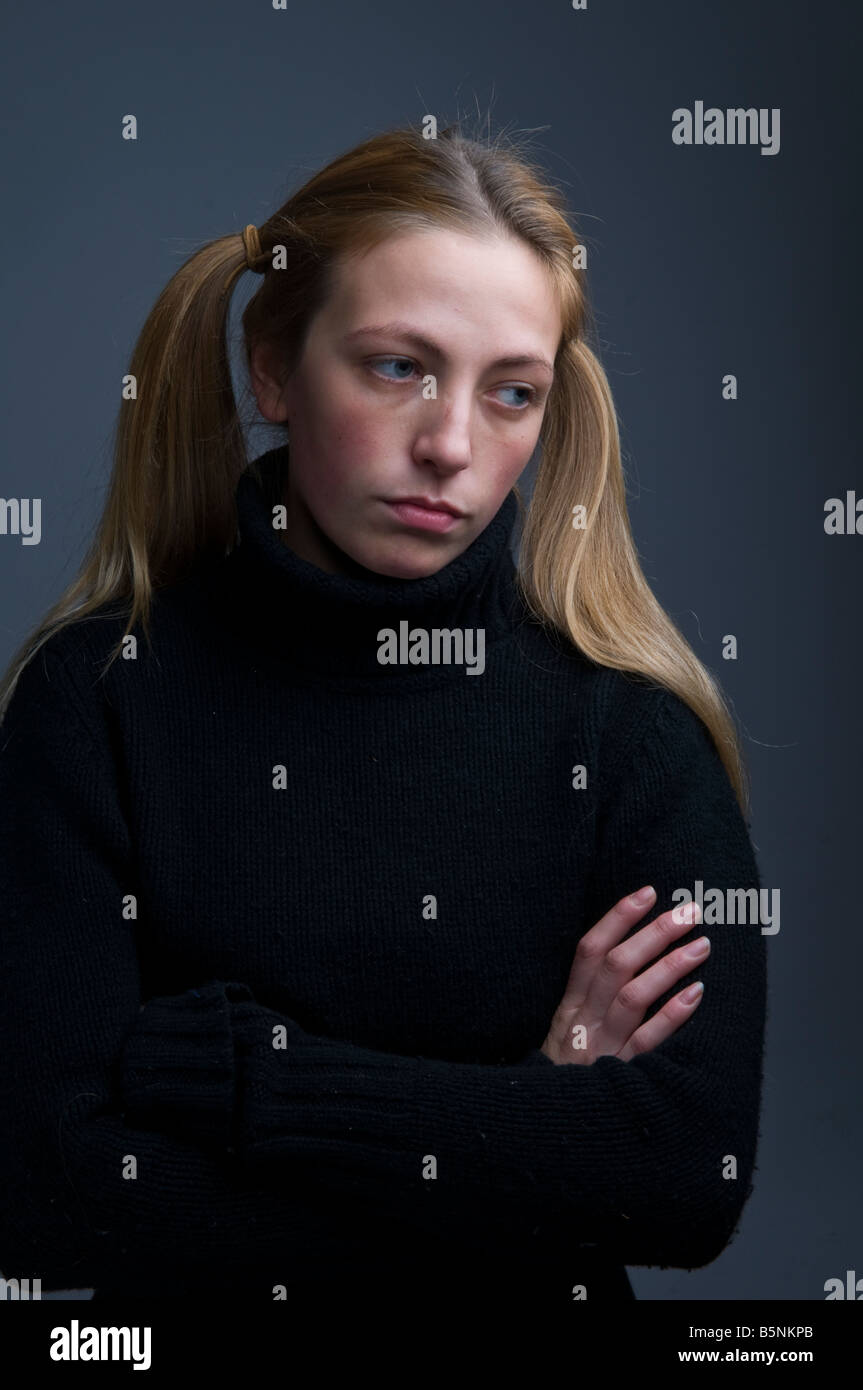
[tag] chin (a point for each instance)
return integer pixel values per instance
(406, 566)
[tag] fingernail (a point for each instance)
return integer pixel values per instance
(694, 992)
(697, 948)
(643, 895)
(688, 912)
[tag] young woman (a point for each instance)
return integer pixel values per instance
(320, 820)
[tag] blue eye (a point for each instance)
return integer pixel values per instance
(530, 395)
(406, 361)
(380, 362)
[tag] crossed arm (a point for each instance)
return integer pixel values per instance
(241, 1146)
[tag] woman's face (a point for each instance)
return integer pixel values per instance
(376, 415)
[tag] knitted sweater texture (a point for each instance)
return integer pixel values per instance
(283, 928)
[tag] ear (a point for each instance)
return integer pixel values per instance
(268, 386)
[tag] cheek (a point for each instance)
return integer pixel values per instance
(345, 448)
(511, 463)
(357, 442)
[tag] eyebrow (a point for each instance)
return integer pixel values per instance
(404, 330)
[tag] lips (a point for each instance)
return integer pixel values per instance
(420, 516)
(429, 503)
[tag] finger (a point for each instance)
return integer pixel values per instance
(596, 943)
(665, 1022)
(625, 960)
(626, 1011)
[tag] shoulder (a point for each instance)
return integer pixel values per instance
(612, 697)
(60, 680)
(72, 651)
(671, 768)
(78, 656)
(620, 706)
(79, 675)
(652, 736)
(653, 721)
(624, 714)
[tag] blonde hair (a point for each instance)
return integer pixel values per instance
(179, 447)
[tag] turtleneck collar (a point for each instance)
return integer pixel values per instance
(329, 624)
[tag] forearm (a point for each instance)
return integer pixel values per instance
(621, 1155)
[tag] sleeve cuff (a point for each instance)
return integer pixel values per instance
(179, 1063)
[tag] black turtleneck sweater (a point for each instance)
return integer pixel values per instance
(283, 928)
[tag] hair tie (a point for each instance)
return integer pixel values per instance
(252, 243)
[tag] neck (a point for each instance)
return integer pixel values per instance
(304, 537)
(355, 623)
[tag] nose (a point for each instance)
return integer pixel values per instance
(444, 437)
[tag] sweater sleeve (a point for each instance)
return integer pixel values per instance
(86, 1198)
(651, 1160)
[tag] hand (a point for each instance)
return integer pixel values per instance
(606, 996)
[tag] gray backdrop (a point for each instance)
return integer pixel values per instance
(705, 260)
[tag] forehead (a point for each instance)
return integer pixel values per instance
(445, 281)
